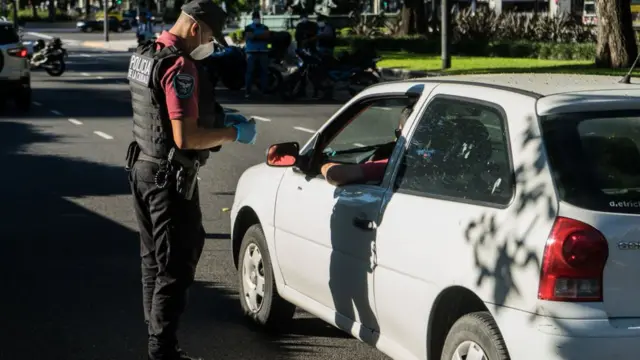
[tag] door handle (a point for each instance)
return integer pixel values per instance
(364, 224)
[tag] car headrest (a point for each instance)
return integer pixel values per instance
(620, 153)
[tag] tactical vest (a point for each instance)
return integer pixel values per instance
(151, 124)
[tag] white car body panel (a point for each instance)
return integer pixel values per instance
(424, 246)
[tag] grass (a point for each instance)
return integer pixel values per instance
(489, 65)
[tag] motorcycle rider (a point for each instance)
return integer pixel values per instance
(40, 57)
(257, 48)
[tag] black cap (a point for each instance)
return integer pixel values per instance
(210, 14)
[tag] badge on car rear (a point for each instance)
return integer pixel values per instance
(632, 245)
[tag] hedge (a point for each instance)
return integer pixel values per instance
(26, 15)
(512, 49)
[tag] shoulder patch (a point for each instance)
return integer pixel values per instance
(184, 84)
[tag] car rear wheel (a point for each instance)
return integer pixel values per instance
(259, 296)
(475, 336)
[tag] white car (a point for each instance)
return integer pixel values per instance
(15, 76)
(507, 224)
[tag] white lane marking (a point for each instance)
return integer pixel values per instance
(358, 145)
(260, 118)
(56, 112)
(85, 55)
(199, 178)
(304, 129)
(75, 122)
(40, 35)
(103, 135)
(36, 103)
(100, 78)
(85, 74)
(382, 108)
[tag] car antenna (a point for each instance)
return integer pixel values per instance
(627, 78)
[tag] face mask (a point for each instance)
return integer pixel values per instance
(321, 24)
(203, 50)
(303, 20)
(256, 21)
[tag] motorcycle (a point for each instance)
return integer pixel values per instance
(50, 57)
(353, 72)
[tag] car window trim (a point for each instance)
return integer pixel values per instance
(505, 120)
(339, 118)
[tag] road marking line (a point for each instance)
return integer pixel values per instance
(56, 112)
(304, 129)
(36, 103)
(75, 122)
(85, 55)
(383, 108)
(359, 145)
(40, 35)
(260, 118)
(199, 178)
(85, 74)
(103, 135)
(100, 78)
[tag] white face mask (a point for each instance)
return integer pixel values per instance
(203, 50)
(321, 24)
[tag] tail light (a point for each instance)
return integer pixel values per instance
(573, 263)
(18, 52)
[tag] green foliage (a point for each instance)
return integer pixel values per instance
(26, 15)
(499, 48)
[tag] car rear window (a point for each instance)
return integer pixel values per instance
(595, 159)
(8, 34)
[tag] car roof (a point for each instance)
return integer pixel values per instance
(556, 93)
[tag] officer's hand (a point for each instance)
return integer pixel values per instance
(231, 119)
(246, 132)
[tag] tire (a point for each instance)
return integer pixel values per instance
(274, 81)
(23, 100)
(363, 79)
(481, 330)
(273, 312)
(88, 29)
(288, 88)
(59, 71)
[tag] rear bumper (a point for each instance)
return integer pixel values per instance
(535, 337)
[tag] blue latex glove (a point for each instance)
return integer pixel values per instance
(246, 132)
(231, 119)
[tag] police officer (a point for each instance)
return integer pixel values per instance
(176, 123)
(257, 47)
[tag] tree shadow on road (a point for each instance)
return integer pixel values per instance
(72, 288)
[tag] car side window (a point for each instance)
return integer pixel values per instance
(368, 132)
(459, 150)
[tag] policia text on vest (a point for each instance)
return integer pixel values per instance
(140, 69)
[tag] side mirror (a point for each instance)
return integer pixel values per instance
(283, 155)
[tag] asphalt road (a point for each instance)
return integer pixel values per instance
(69, 247)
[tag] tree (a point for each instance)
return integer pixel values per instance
(414, 19)
(616, 39)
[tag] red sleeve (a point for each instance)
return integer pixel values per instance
(180, 85)
(374, 170)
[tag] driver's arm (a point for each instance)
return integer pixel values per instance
(342, 174)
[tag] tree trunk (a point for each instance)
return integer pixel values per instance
(34, 9)
(616, 39)
(414, 19)
(52, 11)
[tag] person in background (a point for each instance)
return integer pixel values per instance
(306, 30)
(257, 48)
(145, 28)
(326, 37)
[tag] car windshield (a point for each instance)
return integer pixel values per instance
(595, 159)
(8, 35)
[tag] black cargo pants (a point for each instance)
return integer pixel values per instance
(171, 242)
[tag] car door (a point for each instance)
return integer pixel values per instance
(454, 178)
(325, 234)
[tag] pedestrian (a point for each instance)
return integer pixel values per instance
(326, 37)
(176, 123)
(257, 47)
(306, 30)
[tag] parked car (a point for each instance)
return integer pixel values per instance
(505, 227)
(15, 76)
(93, 25)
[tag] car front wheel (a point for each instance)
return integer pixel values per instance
(259, 296)
(475, 336)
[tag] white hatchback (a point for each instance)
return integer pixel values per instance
(15, 75)
(506, 226)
